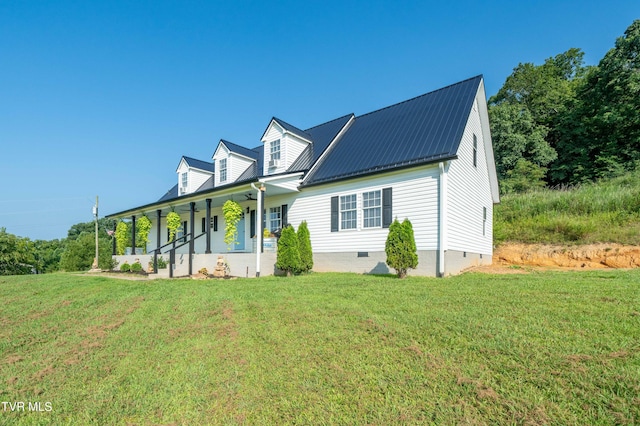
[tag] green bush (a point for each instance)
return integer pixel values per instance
(400, 247)
(136, 267)
(288, 251)
(125, 267)
(304, 246)
(162, 264)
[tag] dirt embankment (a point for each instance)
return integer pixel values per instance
(594, 256)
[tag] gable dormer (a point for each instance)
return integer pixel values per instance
(283, 144)
(231, 161)
(192, 174)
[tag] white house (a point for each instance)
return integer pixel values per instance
(428, 159)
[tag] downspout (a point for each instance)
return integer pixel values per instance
(258, 228)
(442, 218)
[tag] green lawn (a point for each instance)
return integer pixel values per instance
(556, 348)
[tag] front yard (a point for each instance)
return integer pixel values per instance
(546, 347)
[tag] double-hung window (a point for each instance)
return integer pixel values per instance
(223, 169)
(371, 209)
(348, 212)
(185, 179)
(275, 150)
(275, 218)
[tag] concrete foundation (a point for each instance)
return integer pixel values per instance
(244, 264)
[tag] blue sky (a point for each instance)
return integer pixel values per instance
(103, 98)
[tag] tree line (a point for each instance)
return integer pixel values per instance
(19, 255)
(562, 122)
(557, 123)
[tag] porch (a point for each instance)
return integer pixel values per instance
(200, 240)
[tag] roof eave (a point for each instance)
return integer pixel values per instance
(383, 169)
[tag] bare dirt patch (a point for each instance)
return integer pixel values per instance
(517, 258)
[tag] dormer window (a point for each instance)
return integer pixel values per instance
(223, 170)
(274, 151)
(185, 180)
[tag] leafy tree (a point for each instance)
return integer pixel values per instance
(47, 255)
(122, 236)
(517, 137)
(16, 254)
(525, 112)
(173, 224)
(601, 135)
(304, 245)
(400, 247)
(288, 257)
(90, 227)
(79, 253)
(525, 176)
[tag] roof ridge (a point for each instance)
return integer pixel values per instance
(423, 95)
(304, 132)
(330, 121)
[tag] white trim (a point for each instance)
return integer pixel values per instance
(330, 146)
(442, 218)
(488, 144)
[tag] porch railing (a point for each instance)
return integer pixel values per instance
(172, 252)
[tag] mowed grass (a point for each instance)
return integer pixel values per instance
(538, 348)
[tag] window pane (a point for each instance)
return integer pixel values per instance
(348, 212)
(275, 218)
(371, 209)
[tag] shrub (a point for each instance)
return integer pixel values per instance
(125, 267)
(162, 264)
(204, 272)
(400, 247)
(288, 251)
(136, 267)
(304, 246)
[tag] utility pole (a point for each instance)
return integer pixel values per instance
(95, 215)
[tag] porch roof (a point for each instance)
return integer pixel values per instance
(237, 191)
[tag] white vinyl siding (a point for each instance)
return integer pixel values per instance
(415, 196)
(469, 193)
(289, 149)
(189, 179)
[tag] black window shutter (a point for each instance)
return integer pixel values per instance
(285, 219)
(334, 214)
(215, 223)
(204, 224)
(387, 209)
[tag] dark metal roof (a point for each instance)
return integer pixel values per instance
(240, 149)
(199, 164)
(170, 194)
(420, 130)
(322, 136)
(293, 129)
(208, 184)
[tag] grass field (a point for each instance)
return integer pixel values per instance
(601, 212)
(537, 348)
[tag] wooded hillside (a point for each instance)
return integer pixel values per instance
(564, 123)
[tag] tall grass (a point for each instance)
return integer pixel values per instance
(605, 211)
